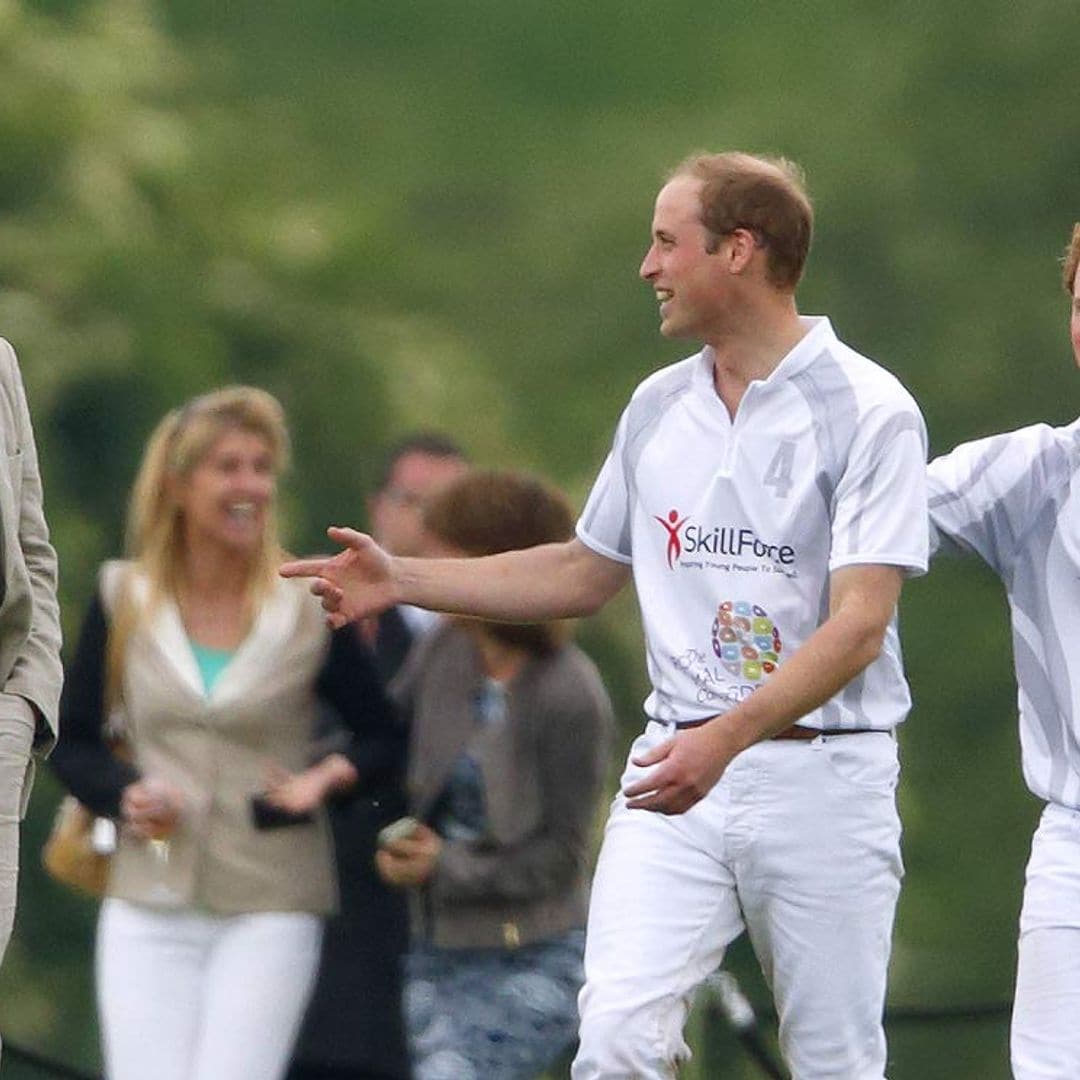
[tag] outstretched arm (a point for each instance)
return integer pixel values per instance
(552, 581)
(862, 600)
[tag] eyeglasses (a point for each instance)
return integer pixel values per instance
(403, 497)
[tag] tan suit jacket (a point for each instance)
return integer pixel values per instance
(218, 748)
(29, 614)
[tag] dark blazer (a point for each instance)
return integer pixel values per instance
(354, 1024)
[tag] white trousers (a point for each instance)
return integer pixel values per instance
(1045, 1041)
(799, 845)
(185, 995)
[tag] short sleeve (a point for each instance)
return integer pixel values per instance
(984, 493)
(604, 525)
(879, 511)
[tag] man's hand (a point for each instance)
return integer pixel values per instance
(353, 584)
(410, 861)
(687, 767)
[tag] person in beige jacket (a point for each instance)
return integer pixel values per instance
(30, 672)
(208, 939)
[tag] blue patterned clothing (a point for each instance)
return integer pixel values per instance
(492, 1014)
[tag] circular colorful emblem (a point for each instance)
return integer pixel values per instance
(745, 640)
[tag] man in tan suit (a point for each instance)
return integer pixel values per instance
(30, 672)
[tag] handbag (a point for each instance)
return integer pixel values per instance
(79, 848)
(77, 852)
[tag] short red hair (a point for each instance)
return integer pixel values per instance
(1071, 260)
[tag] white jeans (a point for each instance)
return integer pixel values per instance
(799, 845)
(1045, 1042)
(185, 995)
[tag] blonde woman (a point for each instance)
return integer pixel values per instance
(208, 939)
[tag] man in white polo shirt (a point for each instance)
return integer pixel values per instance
(1014, 499)
(768, 496)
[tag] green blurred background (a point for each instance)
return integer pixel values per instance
(431, 214)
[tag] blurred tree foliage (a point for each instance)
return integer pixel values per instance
(395, 215)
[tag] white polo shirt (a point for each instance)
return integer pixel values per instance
(1014, 499)
(733, 526)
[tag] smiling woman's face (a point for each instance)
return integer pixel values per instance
(228, 495)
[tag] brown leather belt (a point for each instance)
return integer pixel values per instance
(796, 731)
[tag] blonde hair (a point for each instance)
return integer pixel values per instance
(155, 535)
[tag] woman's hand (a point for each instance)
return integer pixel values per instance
(411, 860)
(302, 792)
(151, 808)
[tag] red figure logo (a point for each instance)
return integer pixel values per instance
(672, 524)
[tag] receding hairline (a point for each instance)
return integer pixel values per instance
(698, 165)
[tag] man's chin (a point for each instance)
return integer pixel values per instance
(674, 331)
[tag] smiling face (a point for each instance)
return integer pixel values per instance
(692, 273)
(677, 264)
(226, 499)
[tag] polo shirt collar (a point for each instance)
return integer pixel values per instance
(819, 337)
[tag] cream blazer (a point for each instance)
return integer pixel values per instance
(217, 748)
(29, 615)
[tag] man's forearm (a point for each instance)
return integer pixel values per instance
(842, 647)
(553, 581)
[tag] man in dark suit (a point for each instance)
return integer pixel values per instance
(414, 469)
(353, 1029)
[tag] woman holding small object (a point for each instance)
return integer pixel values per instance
(510, 734)
(212, 669)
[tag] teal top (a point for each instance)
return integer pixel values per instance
(212, 662)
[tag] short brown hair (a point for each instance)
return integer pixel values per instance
(487, 511)
(428, 443)
(1071, 260)
(762, 194)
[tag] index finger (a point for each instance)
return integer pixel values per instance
(646, 785)
(306, 568)
(654, 801)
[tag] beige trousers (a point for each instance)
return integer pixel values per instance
(16, 776)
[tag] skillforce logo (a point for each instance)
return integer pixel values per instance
(672, 524)
(686, 538)
(745, 640)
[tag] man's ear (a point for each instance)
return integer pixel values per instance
(742, 244)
